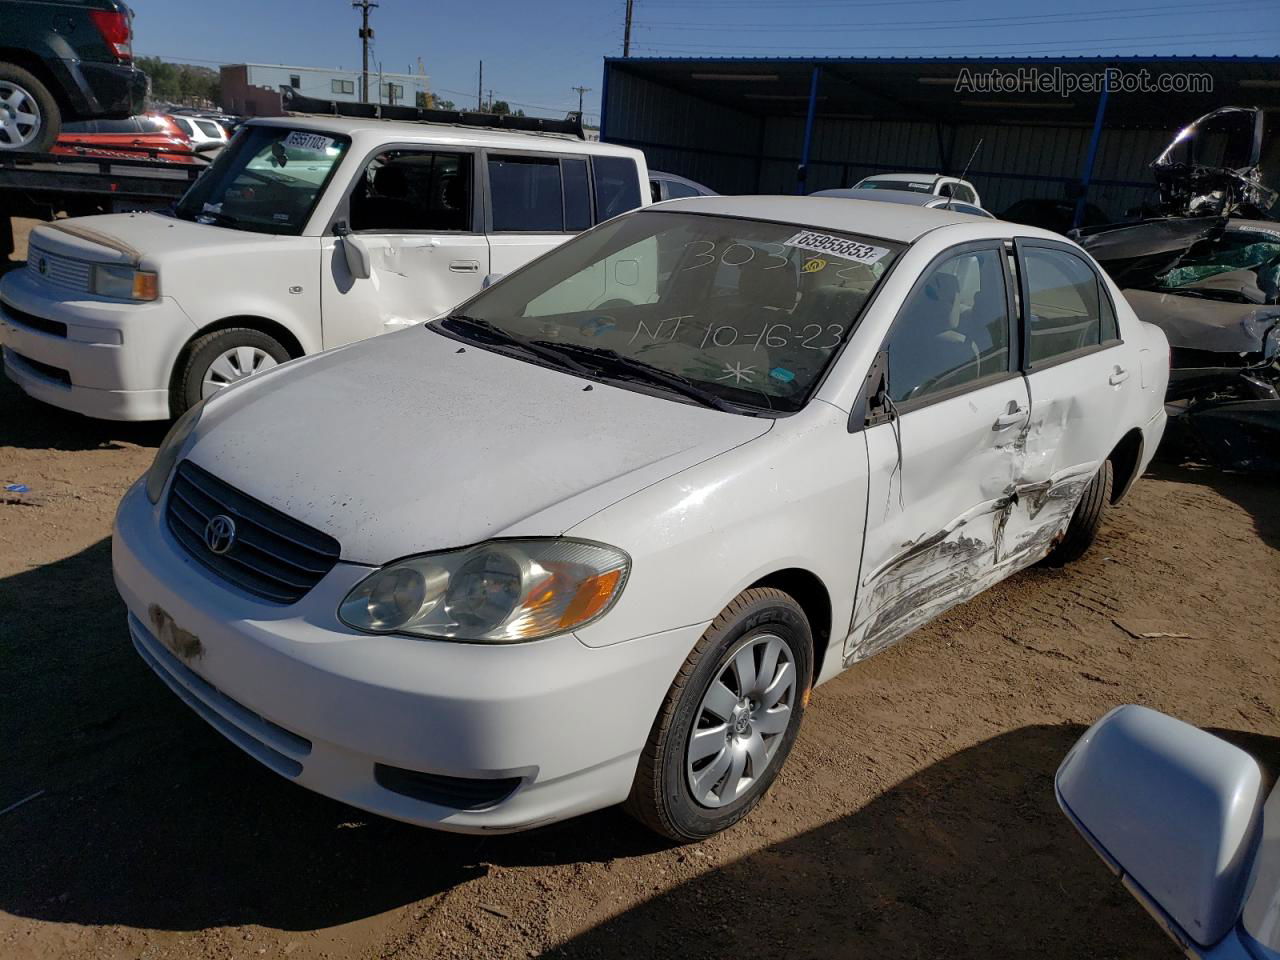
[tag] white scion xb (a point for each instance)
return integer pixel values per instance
(594, 536)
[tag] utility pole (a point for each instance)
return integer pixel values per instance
(581, 91)
(480, 90)
(626, 33)
(366, 34)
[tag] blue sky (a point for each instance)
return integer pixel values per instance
(535, 50)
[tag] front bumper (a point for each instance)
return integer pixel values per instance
(101, 358)
(324, 705)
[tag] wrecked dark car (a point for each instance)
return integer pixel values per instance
(1206, 270)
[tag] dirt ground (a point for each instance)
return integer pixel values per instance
(915, 818)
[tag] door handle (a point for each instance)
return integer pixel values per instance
(464, 266)
(1118, 376)
(1006, 420)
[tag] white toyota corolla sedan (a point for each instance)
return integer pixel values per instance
(594, 537)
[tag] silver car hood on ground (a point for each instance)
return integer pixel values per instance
(413, 442)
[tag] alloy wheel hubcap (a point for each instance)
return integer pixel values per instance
(741, 720)
(19, 117)
(232, 365)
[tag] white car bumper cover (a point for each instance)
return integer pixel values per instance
(322, 704)
(102, 358)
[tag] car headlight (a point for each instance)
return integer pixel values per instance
(503, 591)
(170, 447)
(125, 283)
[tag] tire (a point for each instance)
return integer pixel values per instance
(1083, 528)
(663, 796)
(22, 95)
(200, 369)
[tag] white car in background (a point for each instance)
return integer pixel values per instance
(199, 130)
(332, 230)
(937, 184)
(593, 536)
(906, 197)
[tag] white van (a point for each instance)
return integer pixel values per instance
(306, 233)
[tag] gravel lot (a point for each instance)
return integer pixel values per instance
(915, 818)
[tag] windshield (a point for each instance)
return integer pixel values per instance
(915, 186)
(746, 312)
(267, 181)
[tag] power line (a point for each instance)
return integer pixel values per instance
(581, 91)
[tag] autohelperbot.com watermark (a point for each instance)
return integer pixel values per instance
(1065, 83)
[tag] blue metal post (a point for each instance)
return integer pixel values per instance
(802, 175)
(1087, 174)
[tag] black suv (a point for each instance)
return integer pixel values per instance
(64, 60)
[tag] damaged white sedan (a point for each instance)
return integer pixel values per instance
(593, 537)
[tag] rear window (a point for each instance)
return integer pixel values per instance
(914, 186)
(617, 186)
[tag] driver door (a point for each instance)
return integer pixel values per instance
(416, 211)
(941, 453)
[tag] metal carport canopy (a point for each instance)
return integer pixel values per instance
(769, 107)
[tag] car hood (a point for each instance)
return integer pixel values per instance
(413, 442)
(140, 239)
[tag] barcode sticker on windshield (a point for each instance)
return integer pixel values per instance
(836, 246)
(297, 140)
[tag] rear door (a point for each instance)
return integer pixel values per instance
(536, 201)
(941, 470)
(1081, 377)
(417, 210)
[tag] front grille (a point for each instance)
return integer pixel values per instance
(65, 273)
(54, 328)
(272, 556)
(460, 793)
(46, 370)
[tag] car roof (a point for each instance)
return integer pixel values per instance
(914, 199)
(381, 131)
(889, 221)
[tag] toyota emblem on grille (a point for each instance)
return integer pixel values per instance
(220, 534)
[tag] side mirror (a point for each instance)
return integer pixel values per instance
(874, 405)
(1172, 810)
(359, 263)
(490, 279)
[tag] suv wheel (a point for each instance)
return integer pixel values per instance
(220, 359)
(728, 721)
(29, 116)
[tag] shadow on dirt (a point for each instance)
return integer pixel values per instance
(31, 425)
(1255, 493)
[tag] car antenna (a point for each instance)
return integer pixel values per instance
(964, 175)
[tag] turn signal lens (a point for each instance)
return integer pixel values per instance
(505, 591)
(146, 286)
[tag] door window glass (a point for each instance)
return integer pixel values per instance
(953, 329)
(1063, 313)
(617, 186)
(405, 190)
(526, 194)
(677, 189)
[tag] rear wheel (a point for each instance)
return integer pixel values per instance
(728, 721)
(1083, 528)
(220, 359)
(29, 116)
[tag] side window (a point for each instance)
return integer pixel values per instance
(403, 190)
(526, 194)
(577, 193)
(655, 190)
(1110, 326)
(677, 189)
(961, 192)
(1063, 311)
(617, 186)
(184, 126)
(953, 328)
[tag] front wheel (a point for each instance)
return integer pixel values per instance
(29, 116)
(728, 721)
(220, 359)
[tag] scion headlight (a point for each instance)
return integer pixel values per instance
(125, 283)
(167, 455)
(504, 591)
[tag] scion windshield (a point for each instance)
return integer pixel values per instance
(267, 181)
(747, 312)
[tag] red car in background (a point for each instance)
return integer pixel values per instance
(145, 137)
